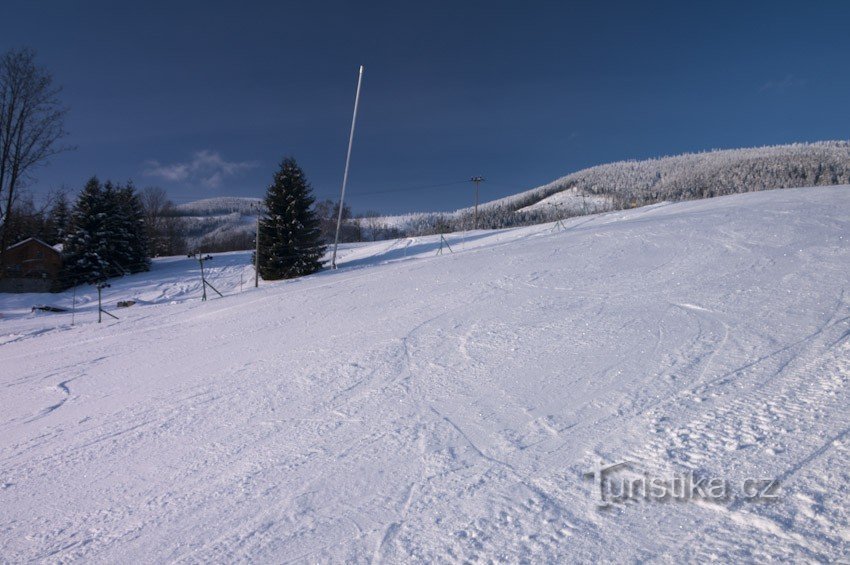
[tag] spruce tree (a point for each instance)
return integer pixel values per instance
(86, 248)
(115, 231)
(134, 257)
(290, 236)
(107, 237)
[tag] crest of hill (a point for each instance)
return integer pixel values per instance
(626, 184)
(219, 206)
(701, 175)
(618, 185)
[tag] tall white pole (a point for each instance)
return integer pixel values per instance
(257, 252)
(347, 162)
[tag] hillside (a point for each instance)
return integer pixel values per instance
(227, 222)
(627, 184)
(416, 407)
(220, 206)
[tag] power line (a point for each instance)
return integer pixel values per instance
(409, 189)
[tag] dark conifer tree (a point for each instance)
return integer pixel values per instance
(290, 236)
(86, 247)
(134, 257)
(115, 231)
(107, 237)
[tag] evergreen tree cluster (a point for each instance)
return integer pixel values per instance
(290, 243)
(107, 236)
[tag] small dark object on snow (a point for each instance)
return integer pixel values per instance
(125, 303)
(45, 308)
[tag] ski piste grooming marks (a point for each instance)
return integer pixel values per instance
(411, 406)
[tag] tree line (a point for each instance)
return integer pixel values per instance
(114, 229)
(629, 184)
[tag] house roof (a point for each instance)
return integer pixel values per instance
(35, 239)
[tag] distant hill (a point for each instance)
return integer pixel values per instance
(221, 205)
(627, 184)
(225, 223)
(623, 184)
(699, 175)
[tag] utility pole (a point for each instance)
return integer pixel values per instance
(347, 162)
(257, 255)
(203, 278)
(477, 181)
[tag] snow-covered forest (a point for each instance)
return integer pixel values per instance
(229, 223)
(628, 184)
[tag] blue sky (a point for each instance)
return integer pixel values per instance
(204, 98)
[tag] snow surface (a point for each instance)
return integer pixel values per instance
(571, 200)
(414, 407)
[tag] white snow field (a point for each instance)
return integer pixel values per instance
(410, 407)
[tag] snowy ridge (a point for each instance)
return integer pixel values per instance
(709, 173)
(213, 222)
(625, 184)
(419, 407)
(221, 205)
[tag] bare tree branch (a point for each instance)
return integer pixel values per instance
(31, 127)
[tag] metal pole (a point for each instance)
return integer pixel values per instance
(99, 308)
(477, 181)
(203, 280)
(476, 205)
(74, 305)
(347, 162)
(257, 255)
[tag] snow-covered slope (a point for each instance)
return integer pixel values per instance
(626, 184)
(226, 221)
(695, 175)
(415, 407)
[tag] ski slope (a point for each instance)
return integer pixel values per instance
(410, 407)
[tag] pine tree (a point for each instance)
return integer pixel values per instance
(134, 257)
(115, 232)
(290, 236)
(107, 237)
(86, 248)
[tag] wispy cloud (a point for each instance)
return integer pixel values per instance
(206, 168)
(783, 84)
